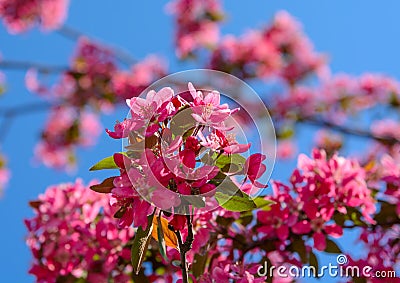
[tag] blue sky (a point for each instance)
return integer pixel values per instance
(358, 36)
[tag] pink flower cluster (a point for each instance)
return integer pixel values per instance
(2, 81)
(391, 176)
(163, 163)
(21, 15)
(279, 50)
(4, 173)
(92, 81)
(383, 253)
(196, 24)
(66, 128)
(226, 271)
(127, 84)
(286, 149)
(358, 93)
(323, 187)
(386, 129)
(338, 97)
(330, 141)
(73, 237)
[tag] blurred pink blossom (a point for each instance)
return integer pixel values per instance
(21, 15)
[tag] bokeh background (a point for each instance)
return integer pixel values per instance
(358, 36)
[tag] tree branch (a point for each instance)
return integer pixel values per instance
(25, 65)
(23, 109)
(184, 248)
(346, 130)
(9, 114)
(120, 54)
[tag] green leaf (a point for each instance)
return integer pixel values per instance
(106, 163)
(339, 218)
(120, 212)
(314, 262)
(199, 264)
(2, 90)
(299, 247)
(235, 203)
(176, 263)
(359, 280)
(224, 221)
(196, 201)
(263, 204)
(332, 247)
(226, 186)
(183, 122)
(232, 169)
(246, 219)
(104, 187)
(161, 240)
(140, 244)
(285, 133)
(235, 159)
(387, 213)
(232, 164)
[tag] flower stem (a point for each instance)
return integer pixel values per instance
(184, 247)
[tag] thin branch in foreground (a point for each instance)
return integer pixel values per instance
(25, 65)
(120, 54)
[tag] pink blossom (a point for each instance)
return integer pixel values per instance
(264, 53)
(148, 107)
(276, 221)
(226, 271)
(90, 128)
(33, 84)
(391, 175)
(208, 111)
(319, 241)
(65, 129)
(4, 173)
(122, 129)
(53, 13)
(21, 15)
(254, 168)
(329, 141)
(286, 149)
(178, 222)
(196, 23)
(73, 233)
(386, 128)
(54, 157)
(341, 183)
(127, 84)
(221, 140)
(382, 250)
(165, 199)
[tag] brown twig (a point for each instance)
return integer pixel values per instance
(347, 130)
(25, 65)
(184, 247)
(9, 114)
(120, 54)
